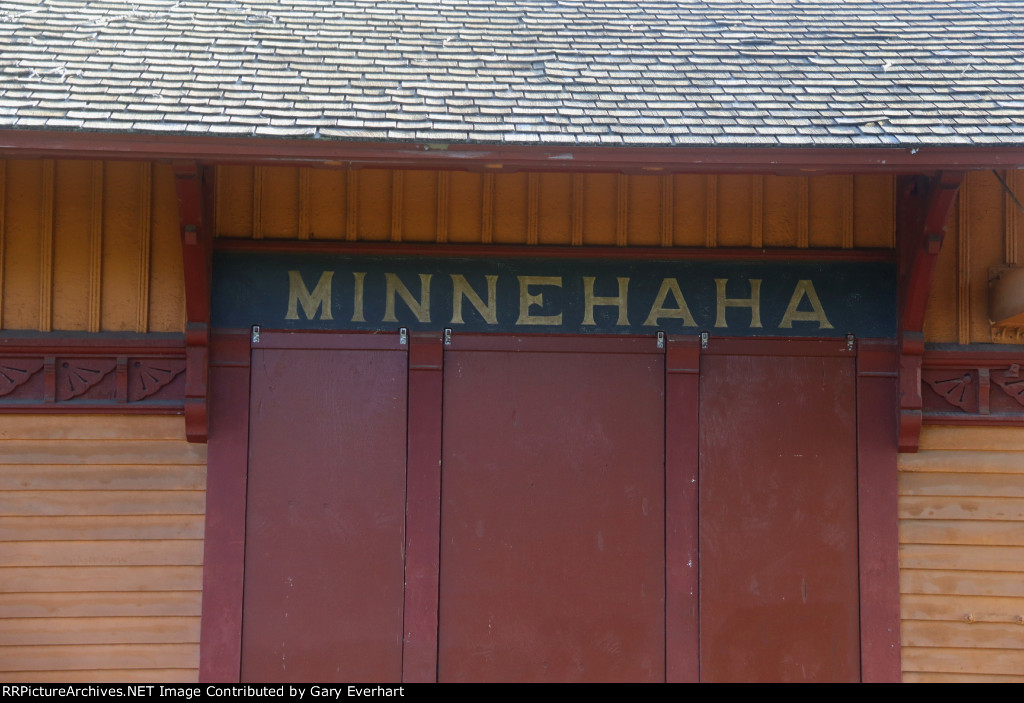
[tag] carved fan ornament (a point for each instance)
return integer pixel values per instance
(1011, 382)
(957, 388)
(76, 376)
(15, 372)
(150, 375)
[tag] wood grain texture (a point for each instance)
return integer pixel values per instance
(101, 522)
(962, 555)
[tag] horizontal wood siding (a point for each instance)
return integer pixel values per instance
(101, 524)
(962, 555)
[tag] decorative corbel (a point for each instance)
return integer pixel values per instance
(923, 207)
(192, 182)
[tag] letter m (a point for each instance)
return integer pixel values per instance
(319, 299)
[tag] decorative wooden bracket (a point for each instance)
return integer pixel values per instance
(963, 386)
(923, 206)
(192, 183)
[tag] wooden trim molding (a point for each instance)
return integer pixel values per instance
(968, 387)
(194, 186)
(923, 207)
(72, 374)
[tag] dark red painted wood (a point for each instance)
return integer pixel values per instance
(220, 639)
(546, 252)
(682, 562)
(423, 516)
(552, 522)
(877, 512)
(778, 519)
(491, 157)
(325, 516)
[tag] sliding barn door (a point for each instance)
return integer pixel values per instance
(779, 594)
(325, 518)
(552, 516)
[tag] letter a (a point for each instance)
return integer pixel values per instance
(658, 309)
(816, 314)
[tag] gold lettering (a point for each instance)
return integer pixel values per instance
(753, 302)
(420, 308)
(817, 312)
(590, 301)
(658, 309)
(319, 299)
(357, 299)
(526, 299)
(461, 289)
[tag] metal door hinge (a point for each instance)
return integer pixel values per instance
(849, 342)
(704, 340)
(447, 336)
(403, 335)
(255, 334)
(661, 340)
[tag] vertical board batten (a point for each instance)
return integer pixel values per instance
(96, 248)
(145, 208)
(961, 517)
(46, 216)
(103, 580)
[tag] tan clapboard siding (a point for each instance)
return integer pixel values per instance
(962, 678)
(101, 549)
(104, 676)
(962, 555)
(99, 604)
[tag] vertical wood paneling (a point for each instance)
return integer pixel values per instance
(510, 208)
(257, 202)
(487, 209)
(101, 561)
(96, 248)
(803, 214)
(167, 277)
(689, 218)
(962, 566)
(327, 203)
(532, 207)
(465, 207)
(780, 203)
(121, 245)
(79, 205)
(873, 211)
(374, 209)
(963, 269)
(711, 212)
(621, 209)
(599, 211)
(846, 210)
(352, 205)
(733, 221)
(3, 233)
(644, 208)
(234, 201)
(304, 202)
(1014, 237)
(757, 211)
(667, 207)
(443, 199)
(577, 210)
(554, 209)
(46, 248)
(145, 208)
(397, 203)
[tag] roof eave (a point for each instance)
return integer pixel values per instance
(652, 160)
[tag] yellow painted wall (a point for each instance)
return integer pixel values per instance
(961, 510)
(101, 548)
(89, 246)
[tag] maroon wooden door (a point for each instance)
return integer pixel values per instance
(324, 566)
(552, 511)
(779, 594)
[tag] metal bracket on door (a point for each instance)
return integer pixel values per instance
(661, 340)
(704, 340)
(255, 334)
(849, 342)
(447, 336)
(403, 335)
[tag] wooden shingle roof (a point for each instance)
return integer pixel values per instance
(821, 73)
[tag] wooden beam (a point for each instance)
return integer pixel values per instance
(923, 207)
(193, 184)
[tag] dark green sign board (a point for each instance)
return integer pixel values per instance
(727, 297)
